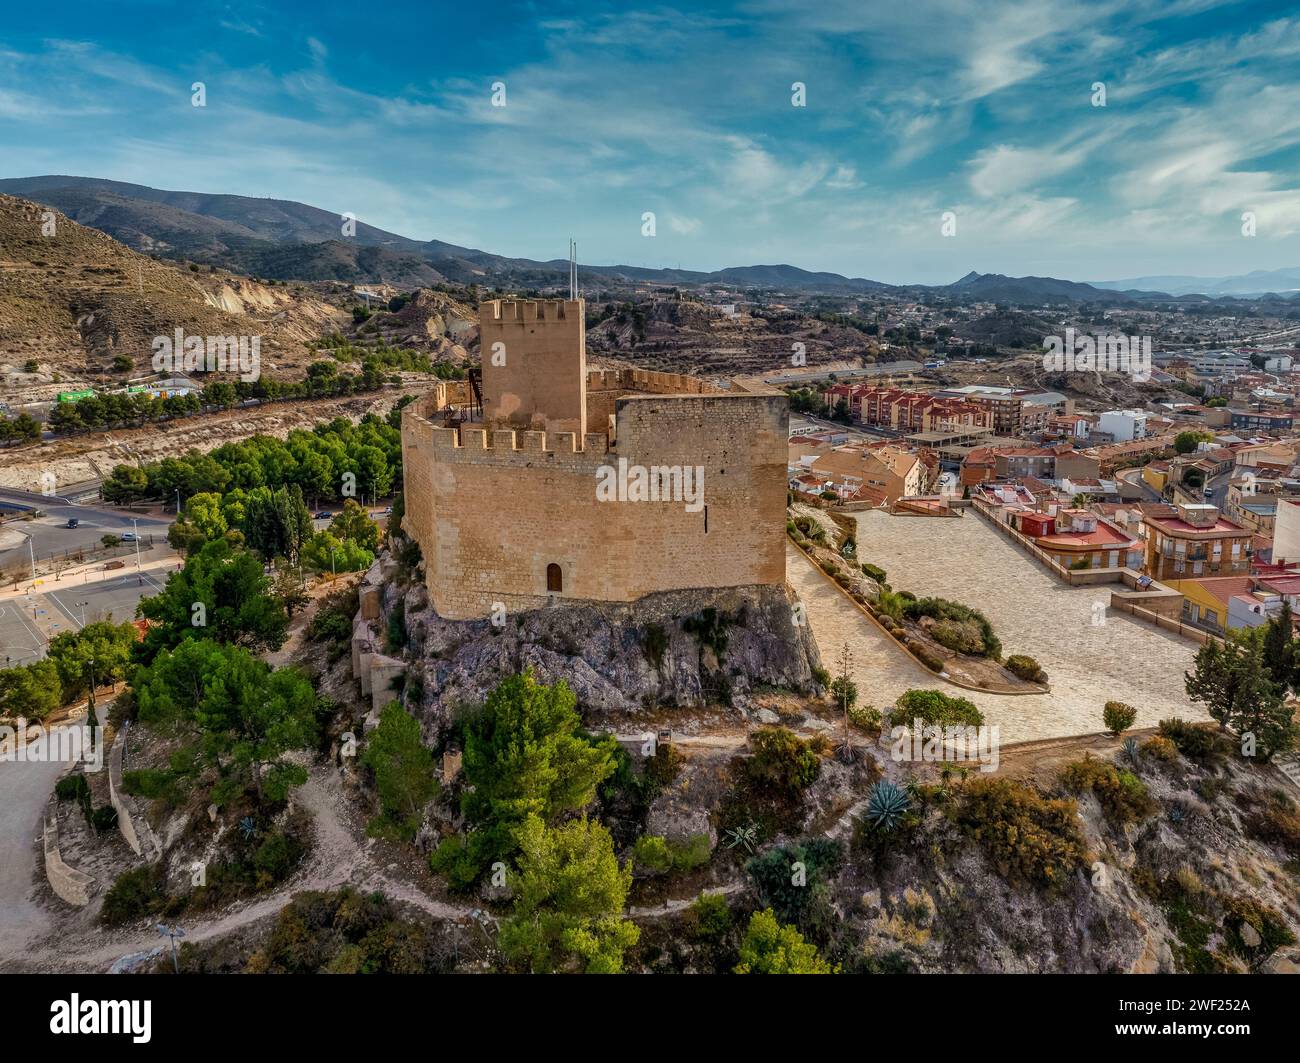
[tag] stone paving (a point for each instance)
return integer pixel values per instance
(1031, 611)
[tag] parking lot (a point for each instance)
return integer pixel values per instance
(29, 620)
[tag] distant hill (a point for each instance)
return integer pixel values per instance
(77, 299)
(997, 288)
(1257, 282)
(286, 240)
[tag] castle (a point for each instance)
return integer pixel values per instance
(554, 482)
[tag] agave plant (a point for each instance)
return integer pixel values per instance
(1177, 813)
(1131, 749)
(887, 806)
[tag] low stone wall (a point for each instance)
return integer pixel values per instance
(1196, 634)
(71, 885)
(134, 827)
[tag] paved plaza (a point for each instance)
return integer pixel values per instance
(1032, 613)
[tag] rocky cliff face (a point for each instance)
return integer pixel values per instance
(683, 649)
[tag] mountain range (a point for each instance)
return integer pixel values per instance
(285, 240)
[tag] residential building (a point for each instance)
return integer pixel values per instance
(1195, 541)
(1123, 426)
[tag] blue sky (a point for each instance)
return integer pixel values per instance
(913, 109)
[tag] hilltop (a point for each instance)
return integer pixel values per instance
(78, 300)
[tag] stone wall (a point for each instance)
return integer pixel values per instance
(493, 509)
(134, 827)
(536, 378)
(69, 884)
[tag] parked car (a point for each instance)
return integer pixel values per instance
(128, 537)
(324, 514)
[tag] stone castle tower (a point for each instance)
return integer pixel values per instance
(507, 503)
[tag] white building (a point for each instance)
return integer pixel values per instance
(1286, 530)
(1123, 426)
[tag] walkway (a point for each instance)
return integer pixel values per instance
(1031, 611)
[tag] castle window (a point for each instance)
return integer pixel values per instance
(554, 579)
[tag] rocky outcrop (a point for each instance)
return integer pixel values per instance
(682, 648)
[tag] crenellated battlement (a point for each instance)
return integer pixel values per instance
(648, 380)
(499, 311)
(527, 505)
(471, 442)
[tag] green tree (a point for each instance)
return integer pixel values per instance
(277, 523)
(1234, 685)
(569, 895)
(770, 948)
(126, 484)
(222, 594)
(353, 524)
(32, 691)
(246, 715)
(1186, 442)
(525, 755)
(403, 769)
(204, 511)
(1279, 649)
(101, 648)
(325, 553)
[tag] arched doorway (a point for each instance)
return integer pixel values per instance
(554, 579)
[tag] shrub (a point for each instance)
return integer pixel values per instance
(709, 917)
(1122, 795)
(874, 572)
(1196, 743)
(1026, 668)
(960, 636)
(691, 853)
(782, 762)
(770, 948)
(867, 717)
(650, 853)
(1277, 823)
(804, 903)
(1118, 717)
(1160, 748)
(72, 788)
(104, 818)
(935, 707)
(1270, 927)
(941, 609)
(922, 653)
(1028, 837)
(135, 894)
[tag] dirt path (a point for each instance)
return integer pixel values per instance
(338, 858)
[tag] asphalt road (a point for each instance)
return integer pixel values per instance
(49, 535)
(25, 787)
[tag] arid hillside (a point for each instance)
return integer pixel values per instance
(74, 300)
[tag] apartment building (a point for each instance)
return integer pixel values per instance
(1194, 540)
(892, 470)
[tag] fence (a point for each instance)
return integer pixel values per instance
(54, 563)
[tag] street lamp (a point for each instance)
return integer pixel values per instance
(135, 530)
(172, 932)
